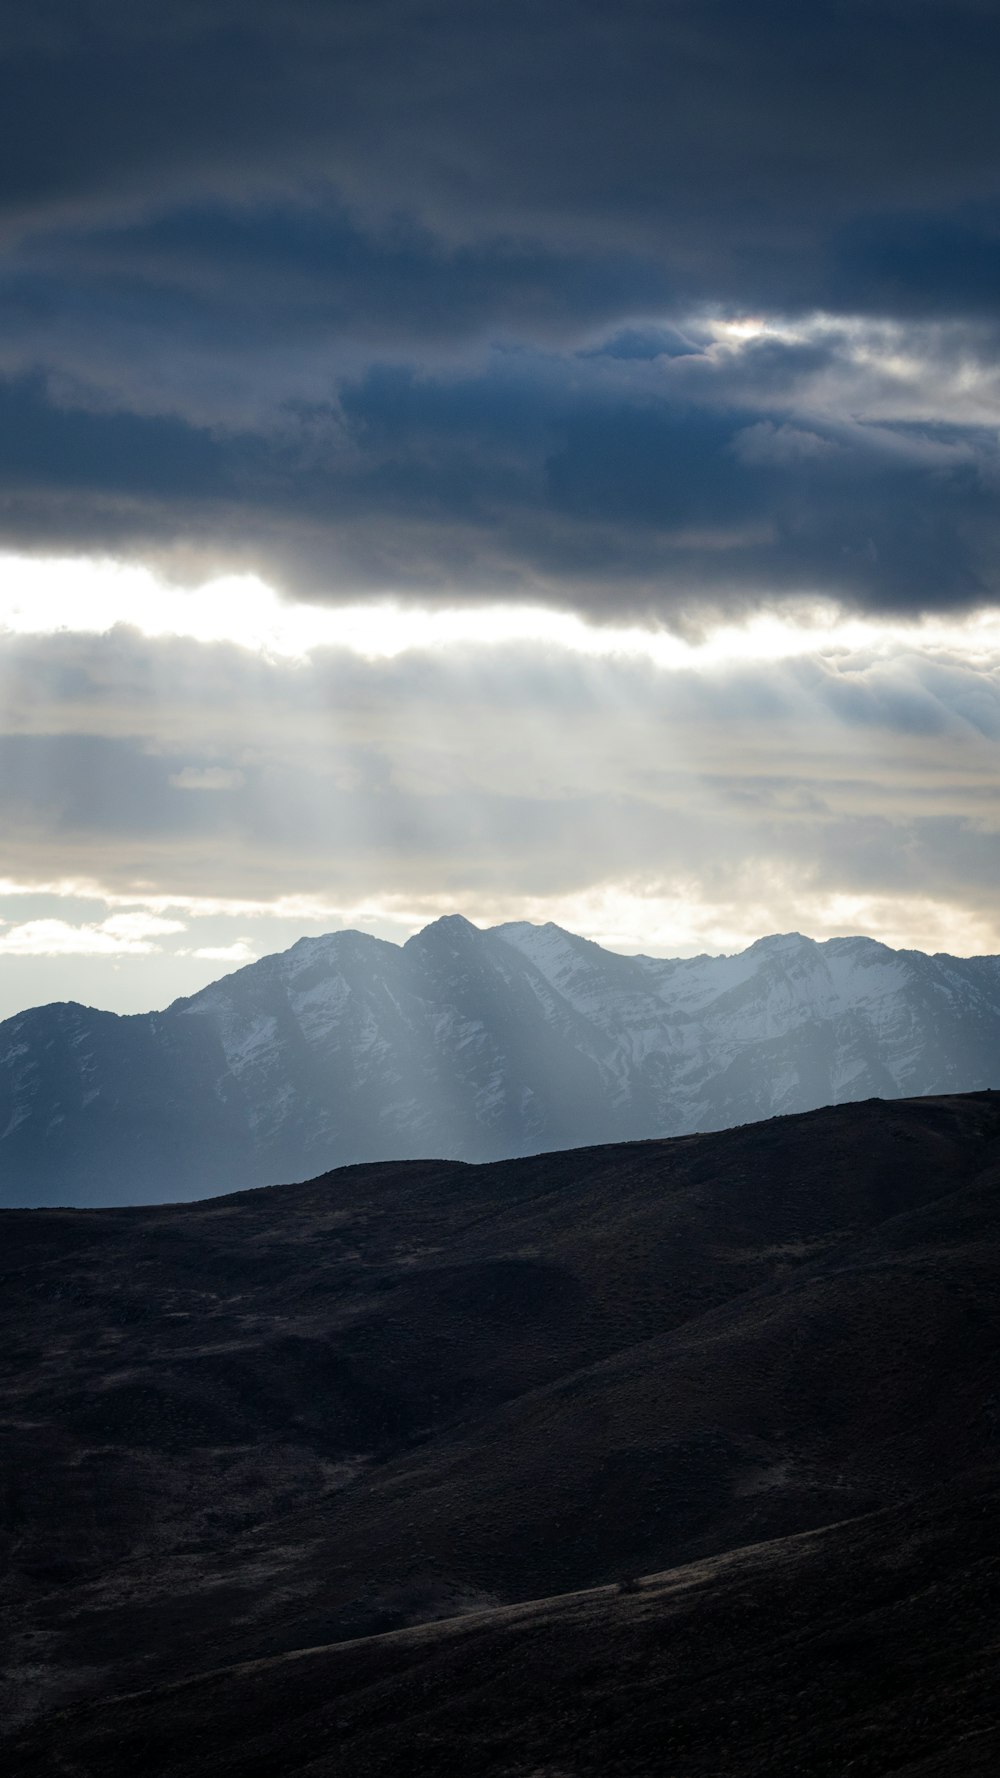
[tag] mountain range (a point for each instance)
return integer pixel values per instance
(472, 1045)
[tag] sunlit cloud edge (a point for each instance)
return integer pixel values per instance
(628, 917)
(65, 595)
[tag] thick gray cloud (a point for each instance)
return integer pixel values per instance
(526, 475)
(699, 130)
(425, 296)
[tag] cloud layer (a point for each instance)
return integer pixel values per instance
(176, 799)
(678, 315)
(434, 298)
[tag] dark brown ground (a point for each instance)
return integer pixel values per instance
(264, 1423)
(867, 1648)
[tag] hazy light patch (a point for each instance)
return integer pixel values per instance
(872, 369)
(121, 935)
(40, 597)
(677, 920)
(306, 909)
(909, 923)
(737, 331)
(239, 952)
(207, 778)
(686, 924)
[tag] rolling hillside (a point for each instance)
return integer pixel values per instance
(290, 1418)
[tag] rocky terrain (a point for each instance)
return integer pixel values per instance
(472, 1045)
(347, 1476)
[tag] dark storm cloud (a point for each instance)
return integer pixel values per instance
(711, 126)
(313, 268)
(928, 262)
(45, 444)
(419, 296)
(522, 473)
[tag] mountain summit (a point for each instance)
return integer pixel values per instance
(471, 1045)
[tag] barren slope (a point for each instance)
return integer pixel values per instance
(279, 1419)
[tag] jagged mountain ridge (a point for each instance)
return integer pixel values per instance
(472, 1045)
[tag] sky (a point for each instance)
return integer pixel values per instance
(535, 461)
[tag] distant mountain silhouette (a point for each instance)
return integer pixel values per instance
(291, 1418)
(473, 1045)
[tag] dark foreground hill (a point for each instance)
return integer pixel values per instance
(298, 1417)
(476, 1045)
(866, 1648)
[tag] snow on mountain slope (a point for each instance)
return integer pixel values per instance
(474, 1045)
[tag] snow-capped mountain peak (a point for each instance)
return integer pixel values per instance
(474, 1044)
